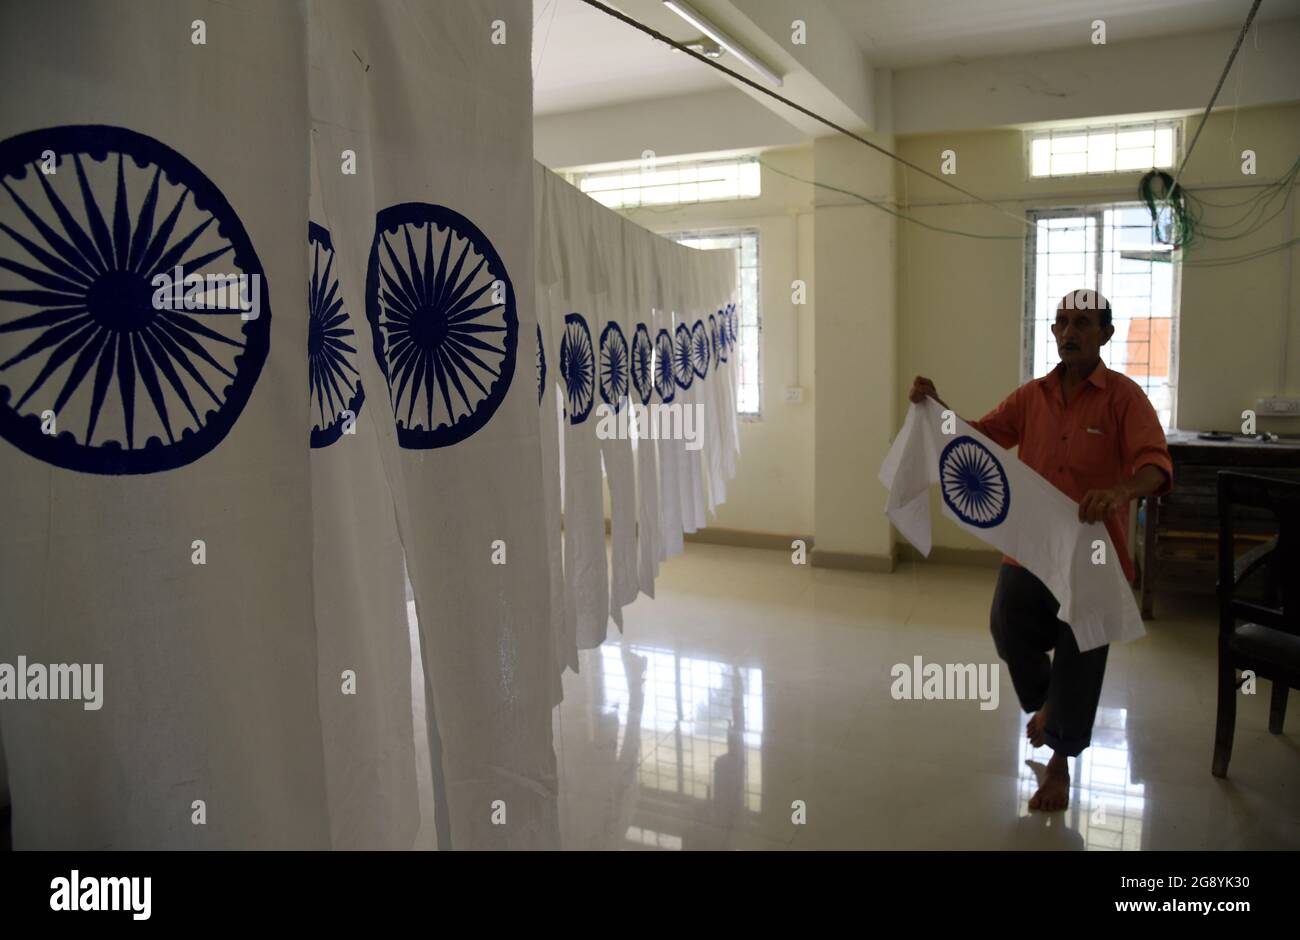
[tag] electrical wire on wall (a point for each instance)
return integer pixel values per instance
(1177, 215)
(1187, 220)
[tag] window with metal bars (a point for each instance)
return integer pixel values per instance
(1102, 148)
(1107, 248)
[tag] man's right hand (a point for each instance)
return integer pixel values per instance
(921, 387)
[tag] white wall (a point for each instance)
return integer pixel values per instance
(684, 124)
(1173, 74)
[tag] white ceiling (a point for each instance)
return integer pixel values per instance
(583, 58)
(903, 33)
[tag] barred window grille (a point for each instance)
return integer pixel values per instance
(1110, 249)
(1102, 148)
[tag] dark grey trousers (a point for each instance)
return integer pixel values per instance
(1025, 628)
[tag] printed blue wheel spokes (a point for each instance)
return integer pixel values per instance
(333, 381)
(665, 385)
(442, 313)
(577, 368)
(699, 349)
(683, 370)
(973, 483)
(642, 363)
(716, 340)
(135, 382)
(613, 366)
(541, 366)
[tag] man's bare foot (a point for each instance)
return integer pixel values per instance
(1034, 728)
(1054, 788)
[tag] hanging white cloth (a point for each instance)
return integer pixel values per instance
(564, 646)
(362, 632)
(643, 383)
(992, 495)
(444, 275)
(614, 380)
(163, 536)
(577, 362)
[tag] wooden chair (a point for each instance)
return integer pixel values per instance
(1261, 588)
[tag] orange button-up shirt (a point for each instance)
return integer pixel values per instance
(1099, 440)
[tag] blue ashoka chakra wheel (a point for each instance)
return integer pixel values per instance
(442, 312)
(332, 378)
(700, 349)
(577, 368)
(642, 363)
(731, 325)
(111, 361)
(613, 366)
(973, 483)
(683, 354)
(541, 366)
(665, 385)
(716, 341)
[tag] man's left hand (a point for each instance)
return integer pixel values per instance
(1096, 505)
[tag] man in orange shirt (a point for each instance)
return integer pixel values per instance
(1094, 435)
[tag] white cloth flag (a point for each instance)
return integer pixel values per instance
(988, 492)
(422, 124)
(164, 532)
(642, 392)
(614, 380)
(562, 642)
(360, 608)
(586, 573)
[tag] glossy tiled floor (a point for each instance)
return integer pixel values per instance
(749, 683)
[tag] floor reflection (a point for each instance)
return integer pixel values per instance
(687, 735)
(1106, 808)
(718, 710)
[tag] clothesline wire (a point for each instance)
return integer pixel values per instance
(802, 110)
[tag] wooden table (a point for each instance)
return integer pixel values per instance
(1180, 531)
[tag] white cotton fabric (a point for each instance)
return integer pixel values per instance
(616, 449)
(1041, 528)
(209, 671)
(224, 682)
(586, 570)
(362, 633)
(564, 647)
(647, 469)
(443, 116)
(601, 266)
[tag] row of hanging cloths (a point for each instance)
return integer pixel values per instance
(635, 373)
(222, 510)
(224, 514)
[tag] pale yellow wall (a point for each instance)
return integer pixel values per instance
(773, 488)
(961, 300)
(892, 299)
(857, 369)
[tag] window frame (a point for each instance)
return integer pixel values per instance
(1028, 320)
(577, 176)
(1038, 133)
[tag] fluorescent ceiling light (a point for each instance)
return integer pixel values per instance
(690, 15)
